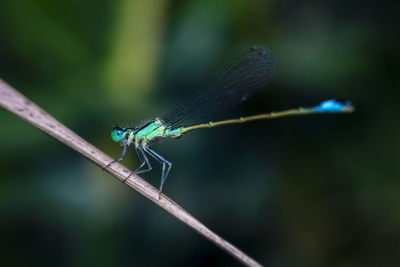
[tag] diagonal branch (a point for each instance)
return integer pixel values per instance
(16, 103)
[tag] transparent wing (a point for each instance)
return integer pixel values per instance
(238, 81)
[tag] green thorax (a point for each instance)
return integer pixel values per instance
(155, 130)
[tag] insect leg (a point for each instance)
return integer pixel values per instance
(166, 165)
(143, 161)
(120, 158)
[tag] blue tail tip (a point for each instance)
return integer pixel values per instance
(332, 105)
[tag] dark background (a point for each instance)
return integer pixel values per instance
(320, 190)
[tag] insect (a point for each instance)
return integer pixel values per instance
(239, 80)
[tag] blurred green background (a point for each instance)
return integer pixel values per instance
(311, 191)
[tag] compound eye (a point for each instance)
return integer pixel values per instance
(117, 134)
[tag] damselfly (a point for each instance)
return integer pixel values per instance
(239, 80)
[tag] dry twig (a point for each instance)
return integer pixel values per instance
(13, 101)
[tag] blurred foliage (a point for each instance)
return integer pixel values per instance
(312, 191)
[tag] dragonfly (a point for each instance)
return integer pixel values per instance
(239, 80)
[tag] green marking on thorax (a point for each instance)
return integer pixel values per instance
(154, 131)
(150, 132)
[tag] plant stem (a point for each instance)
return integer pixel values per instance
(13, 101)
